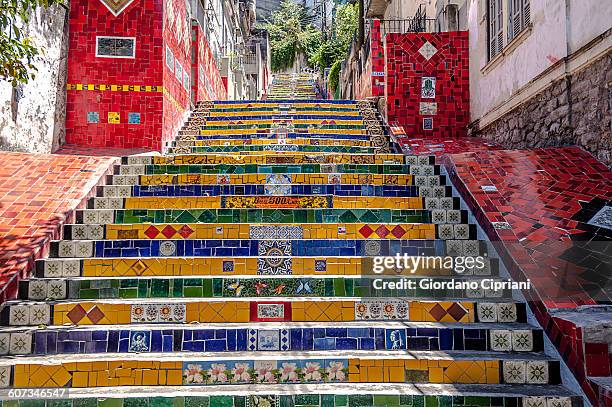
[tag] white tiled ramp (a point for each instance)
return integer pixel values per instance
(237, 271)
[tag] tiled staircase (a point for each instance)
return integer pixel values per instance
(292, 86)
(235, 272)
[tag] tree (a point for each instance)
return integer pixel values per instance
(290, 35)
(17, 53)
(335, 48)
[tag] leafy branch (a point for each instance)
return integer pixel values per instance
(17, 51)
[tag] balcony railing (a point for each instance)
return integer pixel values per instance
(409, 25)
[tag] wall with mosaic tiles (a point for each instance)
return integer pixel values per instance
(427, 83)
(177, 79)
(114, 99)
(207, 80)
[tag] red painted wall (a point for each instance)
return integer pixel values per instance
(142, 19)
(207, 81)
(406, 68)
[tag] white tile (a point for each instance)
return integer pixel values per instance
(21, 343)
(453, 216)
(106, 217)
(500, 340)
(446, 232)
(534, 402)
(432, 203)
(37, 289)
(487, 312)
(84, 248)
(109, 191)
(40, 314)
(65, 248)
(522, 340)
(438, 216)
(90, 216)
(5, 340)
(537, 372)
(558, 402)
(514, 371)
(461, 231)
(506, 312)
(56, 289)
(79, 232)
(53, 267)
(95, 232)
(5, 376)
(439, 191)
(19, 315)
(70, 268)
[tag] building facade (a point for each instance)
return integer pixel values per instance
(136, 67)
(561, 97)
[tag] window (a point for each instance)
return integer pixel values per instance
(115, 47)
(169, 59)
(495, 27)
(518, 17)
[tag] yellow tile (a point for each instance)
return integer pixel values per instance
(80, 379)
(149, 377)
(396, 374)
(174, 377)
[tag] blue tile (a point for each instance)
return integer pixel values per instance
(346, 343)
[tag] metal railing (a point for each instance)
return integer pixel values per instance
(416, 24)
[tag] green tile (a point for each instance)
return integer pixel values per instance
(179, 402)
(196, 401)
(339, 287)
(341, 400)
(162, 402)
(360, 400)
(431, 401)
(221, 401)
(405, 400)
(160, 287)
(31, 403)
(59, 403)
(386, 400)
(85, 403)
(477, 401)
(286, 401)
(110, 402)
(327, 400)
(307, 399)
(191, 292)
(136, 402)
(239, 401)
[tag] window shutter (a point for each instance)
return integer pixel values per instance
(516, 16)
(500, 26)
(526, 13)
(492, 28)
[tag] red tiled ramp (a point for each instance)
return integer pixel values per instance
(38, 193)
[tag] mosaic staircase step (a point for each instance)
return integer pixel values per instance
(189, 135)
(237, 247)
(273, 179)
(149, 169)
(266, 201)
(271, 141)
(184, 190)
(246, 231)
(99, 370)
(315, 309)
(217, 266)
(284, 395)
(272, 215)
(273, 147)
(244, 286)
(377, 336)
(267, 118)
(274, 158)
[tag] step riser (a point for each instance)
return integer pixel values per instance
(244, 311)
(269, 340)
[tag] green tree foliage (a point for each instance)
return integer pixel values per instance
(291, 35)
(17, 53)
(334, 74)
(334, 50)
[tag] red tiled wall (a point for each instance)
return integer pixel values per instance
(405, 68)
(378, 59)
(141, 19)
(177, 37)
(208, 83)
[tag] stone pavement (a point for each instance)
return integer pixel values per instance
(38, 194)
